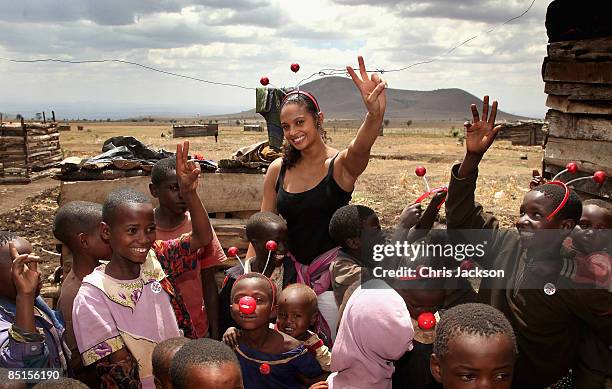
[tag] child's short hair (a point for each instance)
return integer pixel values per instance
(556, 193)
(605, 205)
(311, 296)
(200, 352)
(472, 319)
(76, 217)
(259, 220)
(162, 170)
(61, 383)
(261, 277)
(347, 221)
(161, 351)
(117, 198)
(6, 237)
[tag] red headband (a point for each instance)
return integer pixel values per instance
(433, 191)
(272, 286)
(299, 92)
(563, 202)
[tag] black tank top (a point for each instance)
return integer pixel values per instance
(308, 214)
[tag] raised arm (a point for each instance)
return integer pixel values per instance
(188, 172)
(352, 161)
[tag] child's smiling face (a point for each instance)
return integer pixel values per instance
(590, 235)
(260, 290)
(131, 233)
(295, 313)
(475, 361)
(533, 216)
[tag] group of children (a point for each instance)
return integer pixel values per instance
(140, 306)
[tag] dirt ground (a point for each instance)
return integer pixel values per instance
(387, 185)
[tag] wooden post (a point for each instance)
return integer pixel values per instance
(44, 118)
(53, 116)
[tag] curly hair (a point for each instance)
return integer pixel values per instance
(471, 319)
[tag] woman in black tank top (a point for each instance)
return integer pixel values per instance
(313, 180)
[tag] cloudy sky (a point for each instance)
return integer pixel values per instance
(238, 41)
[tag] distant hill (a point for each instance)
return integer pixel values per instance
(339, 99)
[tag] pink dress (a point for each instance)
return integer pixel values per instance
(110, 314)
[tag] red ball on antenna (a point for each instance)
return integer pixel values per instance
(466, 265)
(247, 305)
(271, 245)
(426, 320)
(295, 67)
(420, 171)
(600, 177)
(232, 251)
(264, 81)
(572, 167)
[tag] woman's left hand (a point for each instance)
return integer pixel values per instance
(372, 89)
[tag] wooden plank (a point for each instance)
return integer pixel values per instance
(599, 49)
(587, 72)
(220, 192)
(579, 91)
(563, 125)
(590, 155)
(563, 104)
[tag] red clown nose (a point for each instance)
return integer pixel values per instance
(271, 245)
(247, 305)
(426, 321)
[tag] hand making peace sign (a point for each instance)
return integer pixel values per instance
(372, 89)
(186, 171)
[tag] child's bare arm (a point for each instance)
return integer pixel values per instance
(537, 179)
(25, 277)
(479, 137)
(231, 337)
(188, 172)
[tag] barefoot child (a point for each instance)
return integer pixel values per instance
(124, 308)
(205, 363)
(297, 312)
(260, 228)
(268, 358)
(474, 347)
(162, 360)
(77, 225)
(198, 286)
(548, 320)
(30, 334)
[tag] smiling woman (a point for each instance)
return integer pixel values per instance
(313, 180)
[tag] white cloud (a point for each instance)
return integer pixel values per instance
(238, 41)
